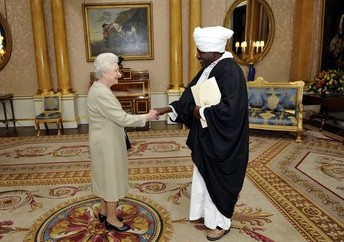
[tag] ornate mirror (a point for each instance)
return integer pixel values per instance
(5, 42)
(253, 24)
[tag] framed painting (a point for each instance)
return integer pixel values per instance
(332, 38)
(124, 29)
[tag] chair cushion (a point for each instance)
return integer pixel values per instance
(48, 115)
(255, 99)
(258, 116)
(273, 102)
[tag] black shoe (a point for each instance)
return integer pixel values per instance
(102, 218)
(109, 226)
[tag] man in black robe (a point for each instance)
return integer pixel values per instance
(219, 150)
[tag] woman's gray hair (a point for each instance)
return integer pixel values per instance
(104, 63)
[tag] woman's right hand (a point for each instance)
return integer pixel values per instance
(152, 115)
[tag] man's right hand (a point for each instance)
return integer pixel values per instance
(161, 111)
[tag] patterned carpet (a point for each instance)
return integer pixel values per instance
(293, 191)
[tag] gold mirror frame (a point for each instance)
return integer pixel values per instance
(7, 42)
(248, 32)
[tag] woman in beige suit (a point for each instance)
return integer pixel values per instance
(109, 161)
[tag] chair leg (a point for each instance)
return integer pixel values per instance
(46, 127)
(299, 137)
(62, 129)
(38, 128)
(58, 127)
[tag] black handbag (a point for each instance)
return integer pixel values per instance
(127, 141)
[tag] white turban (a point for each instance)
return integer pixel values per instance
(212, 39)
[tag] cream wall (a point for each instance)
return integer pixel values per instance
(19, 76)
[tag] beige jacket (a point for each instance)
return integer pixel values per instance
(109, 160)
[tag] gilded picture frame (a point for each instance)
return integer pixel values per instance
(332, 35)
(6, 42)
(124, 29)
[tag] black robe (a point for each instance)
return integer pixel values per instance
(220, 151)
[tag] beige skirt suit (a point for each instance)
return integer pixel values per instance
(109, 160)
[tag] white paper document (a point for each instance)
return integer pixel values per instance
(206, 94)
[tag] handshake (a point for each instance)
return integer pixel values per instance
(156, 112)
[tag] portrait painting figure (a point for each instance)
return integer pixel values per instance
(332, 54)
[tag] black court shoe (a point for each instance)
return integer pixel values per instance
(102, 218)
(109, 226)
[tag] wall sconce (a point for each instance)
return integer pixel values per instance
(253, 55)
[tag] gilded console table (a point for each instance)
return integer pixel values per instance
(328, 104)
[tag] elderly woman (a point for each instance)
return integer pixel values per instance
(108, 150)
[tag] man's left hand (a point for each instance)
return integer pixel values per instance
(196, 113)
